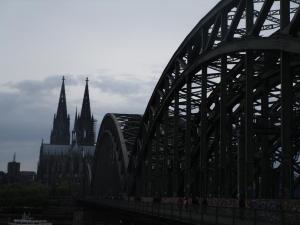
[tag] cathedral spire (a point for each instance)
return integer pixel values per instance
(60, 133)
(62, 103)
(86, 108)
(84, 129)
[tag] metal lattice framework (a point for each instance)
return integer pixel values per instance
(223, 120)
(114, 144)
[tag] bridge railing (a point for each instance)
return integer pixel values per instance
(195, 213)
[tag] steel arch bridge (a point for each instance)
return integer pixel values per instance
(224, 118)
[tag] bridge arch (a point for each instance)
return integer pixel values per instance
(223, 118)
(114, 145)
(222, 110)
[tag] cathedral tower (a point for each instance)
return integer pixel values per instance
(60, 134)
(84, 124)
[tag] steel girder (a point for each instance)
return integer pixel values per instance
(114, 145)
(223, 120)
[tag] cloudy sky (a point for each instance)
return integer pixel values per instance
(121, 45)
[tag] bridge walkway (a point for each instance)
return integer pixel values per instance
(196, 214)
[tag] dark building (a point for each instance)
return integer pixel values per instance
(60, 134)
(62, 163)
(13, 170)
(15, 175)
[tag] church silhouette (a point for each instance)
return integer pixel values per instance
(65, 162)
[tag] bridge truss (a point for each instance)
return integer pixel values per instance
(223, 120)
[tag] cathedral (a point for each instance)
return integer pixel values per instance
(64, 161)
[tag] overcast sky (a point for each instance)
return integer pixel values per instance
(121, 45)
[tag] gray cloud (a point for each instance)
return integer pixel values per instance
(42, 86)
(126, 86)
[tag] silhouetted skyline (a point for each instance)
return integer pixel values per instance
(122, 46)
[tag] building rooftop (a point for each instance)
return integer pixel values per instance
(48, 149)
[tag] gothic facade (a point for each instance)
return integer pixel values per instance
(65, 162)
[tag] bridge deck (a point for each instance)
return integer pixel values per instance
(195, 214)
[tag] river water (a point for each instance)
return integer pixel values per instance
(78, 216)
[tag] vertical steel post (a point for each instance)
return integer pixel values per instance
(284, 13)
(188, 136)
(164, 139)
(286, 115)
(175, 139)
(287, 108)
(241, 162)
(203, 111)
(223, 127)
(249, 125)
(159, 163)
(249, 15)
(267, 163)
(168, 150)
(249, 69)
(222, 181)
(203, 140)
(266, 166)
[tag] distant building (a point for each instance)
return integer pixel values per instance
(15, 176)
(27, 176)
(62, 162)
(13, 170)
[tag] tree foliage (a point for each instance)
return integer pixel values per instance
(31, 195)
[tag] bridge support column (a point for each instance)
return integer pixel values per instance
(286, 128)
(222, 181)
(265, 191)
(175, 141)
(223, 143)
(287, 109)
(249, 73)
(188, 138)
(203, 140)
(249, 149)
(241, 163)
(159, 163)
